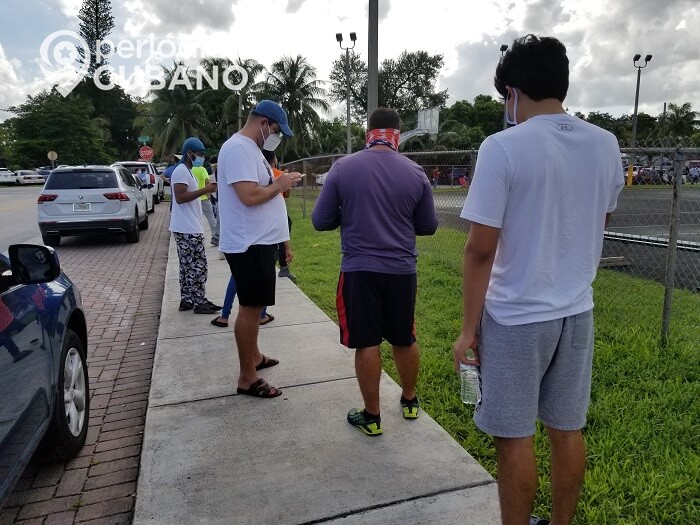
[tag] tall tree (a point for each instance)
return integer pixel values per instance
(406, 84)
(48, 121)
(292, 82)
(224, 108)
(680, 120)
(174, 113)
(96, 22)
(117, 109)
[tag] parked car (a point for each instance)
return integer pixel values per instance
(152, 174)
(44, 385)
(7, 176)
(44, 171)
(28, 177)
(91, 199)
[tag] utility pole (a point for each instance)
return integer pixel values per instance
(372, 58)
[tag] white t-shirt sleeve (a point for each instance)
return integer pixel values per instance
(238, 166)
(181, 175)
(618, 182)
(488, 192)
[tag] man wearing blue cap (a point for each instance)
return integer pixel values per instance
(186, 225)
(253, 223)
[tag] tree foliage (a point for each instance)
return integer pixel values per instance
(292, 82)
(174, 114)
(406, 84)
(49, 122)
(96, 23)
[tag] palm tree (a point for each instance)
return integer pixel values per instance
(173, 115)
(681, 120)
(234, 102)
(292, 82)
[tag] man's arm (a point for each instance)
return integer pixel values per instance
(425, 219)
(326, 214)
(252, 194)
(479, 253)
(182, 195)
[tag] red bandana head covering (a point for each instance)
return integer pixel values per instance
(386, 136)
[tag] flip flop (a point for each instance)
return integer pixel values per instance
(267, 319)
(216, 322)
(260, 389)
(266, 362)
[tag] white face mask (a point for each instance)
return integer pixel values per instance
(513, 121)
(272, 141)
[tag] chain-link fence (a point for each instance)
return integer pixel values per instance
(654, 234)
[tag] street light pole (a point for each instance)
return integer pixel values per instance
(339, 38)
(504, 48)
(635, 58)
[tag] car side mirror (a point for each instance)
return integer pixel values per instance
(150, 186)
(144, 186)
(33, 264)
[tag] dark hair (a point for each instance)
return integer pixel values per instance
(537, 66)
(259, 116)
(269, 156)
(214, 159)
(382, 118)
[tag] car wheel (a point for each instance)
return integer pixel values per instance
(133, 235)
(69, 425)
(51, 239)
(156, 199)
(144, 224)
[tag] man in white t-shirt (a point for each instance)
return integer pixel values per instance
(186, 225)
(541, 196)
(253, 222)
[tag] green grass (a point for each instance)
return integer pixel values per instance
(643, 430)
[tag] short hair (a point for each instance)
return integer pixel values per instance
(537, 66)
(382, 118)
(258, 116)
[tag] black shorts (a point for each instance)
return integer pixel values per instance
(254, 273)
(373, 306)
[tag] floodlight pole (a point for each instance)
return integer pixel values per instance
(635, 58)
(339, 38)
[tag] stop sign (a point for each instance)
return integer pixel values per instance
(146, 152)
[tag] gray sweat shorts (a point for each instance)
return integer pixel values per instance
(539, 370)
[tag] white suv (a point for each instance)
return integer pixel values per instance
(154, 178)
(91, 199)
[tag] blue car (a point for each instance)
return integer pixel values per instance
(44, 389)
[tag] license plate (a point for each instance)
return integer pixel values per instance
(81, 206)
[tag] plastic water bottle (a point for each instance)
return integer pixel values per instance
(471, 389)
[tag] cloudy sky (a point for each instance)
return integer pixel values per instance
(601, 37)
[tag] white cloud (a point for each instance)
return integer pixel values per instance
(600, 35)
(70, 8)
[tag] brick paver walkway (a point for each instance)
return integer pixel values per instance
(122, 288)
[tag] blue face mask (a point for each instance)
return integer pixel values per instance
(198, 162)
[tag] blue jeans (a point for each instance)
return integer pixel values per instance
(228, 301)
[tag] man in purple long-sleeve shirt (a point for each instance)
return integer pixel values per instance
(381, 200)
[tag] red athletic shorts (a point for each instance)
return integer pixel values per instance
(373, 306)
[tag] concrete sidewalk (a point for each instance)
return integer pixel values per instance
(211, 456)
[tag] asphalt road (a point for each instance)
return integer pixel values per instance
(640, 211)
(18, 214)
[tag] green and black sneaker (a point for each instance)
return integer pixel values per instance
(370, 425)
(410, 407)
